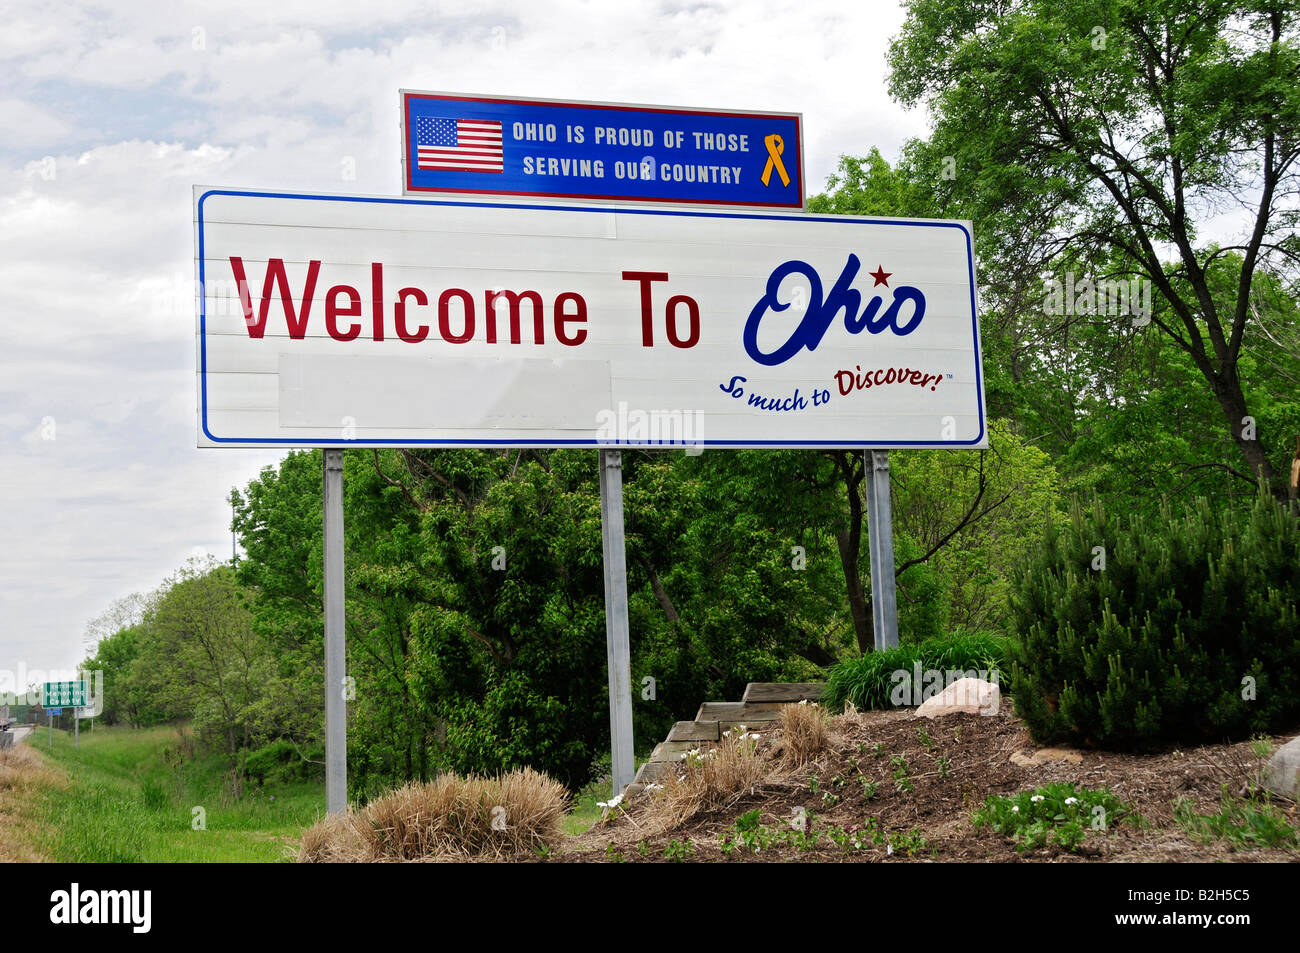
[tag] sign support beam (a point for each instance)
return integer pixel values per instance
(623, 764)
(336, 713)
(880, 537)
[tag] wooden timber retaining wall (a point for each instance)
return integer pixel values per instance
(761, 704)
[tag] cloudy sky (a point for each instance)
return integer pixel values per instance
(111, 112)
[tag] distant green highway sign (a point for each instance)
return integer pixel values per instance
(72, 694)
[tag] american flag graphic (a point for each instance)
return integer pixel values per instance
(458, 145)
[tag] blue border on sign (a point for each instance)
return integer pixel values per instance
(593, 443)
(468, 182)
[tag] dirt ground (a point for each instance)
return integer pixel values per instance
(978, 752)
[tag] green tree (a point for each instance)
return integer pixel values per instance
(113, 655)
(278, 520)
(476, 616)
(972, 515)
(1106, 131)
(200, 653)
(958, 516)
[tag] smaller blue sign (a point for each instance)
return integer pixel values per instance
(55, 711)
(601, 151)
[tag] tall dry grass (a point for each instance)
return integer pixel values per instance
(22, 769)
(713, 780)
(446, 819)
(804, 733)
(24, 776)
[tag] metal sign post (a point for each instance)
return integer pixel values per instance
(623, 764)
(336, 713)
(880, 539)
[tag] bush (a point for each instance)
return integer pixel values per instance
(281, 761)
(516, 814)
(1134, 635)
(875, 679)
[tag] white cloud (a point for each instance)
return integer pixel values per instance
(26, 124)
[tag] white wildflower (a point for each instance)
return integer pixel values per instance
(1071, 800)
(1015, 808)
(1036, 798)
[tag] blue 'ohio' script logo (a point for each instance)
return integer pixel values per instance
(817, 319)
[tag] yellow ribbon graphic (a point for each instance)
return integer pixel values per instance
(775, 147)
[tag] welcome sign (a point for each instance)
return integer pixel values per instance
(604, 151)
(332, 320)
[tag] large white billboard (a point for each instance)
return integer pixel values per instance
(332, 320)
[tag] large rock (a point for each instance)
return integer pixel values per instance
(1045, 756)
(970, 695)
(1282, 776)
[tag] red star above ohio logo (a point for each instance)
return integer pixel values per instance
(880, 275)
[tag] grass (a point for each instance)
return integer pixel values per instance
(123, 803)
(116, 799)
(584, 813)
(510, 816)
(804, 734)
(711, 779)
(869, 681)
(25, 779)
(1247, 823)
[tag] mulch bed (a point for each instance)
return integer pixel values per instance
(978, 752)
